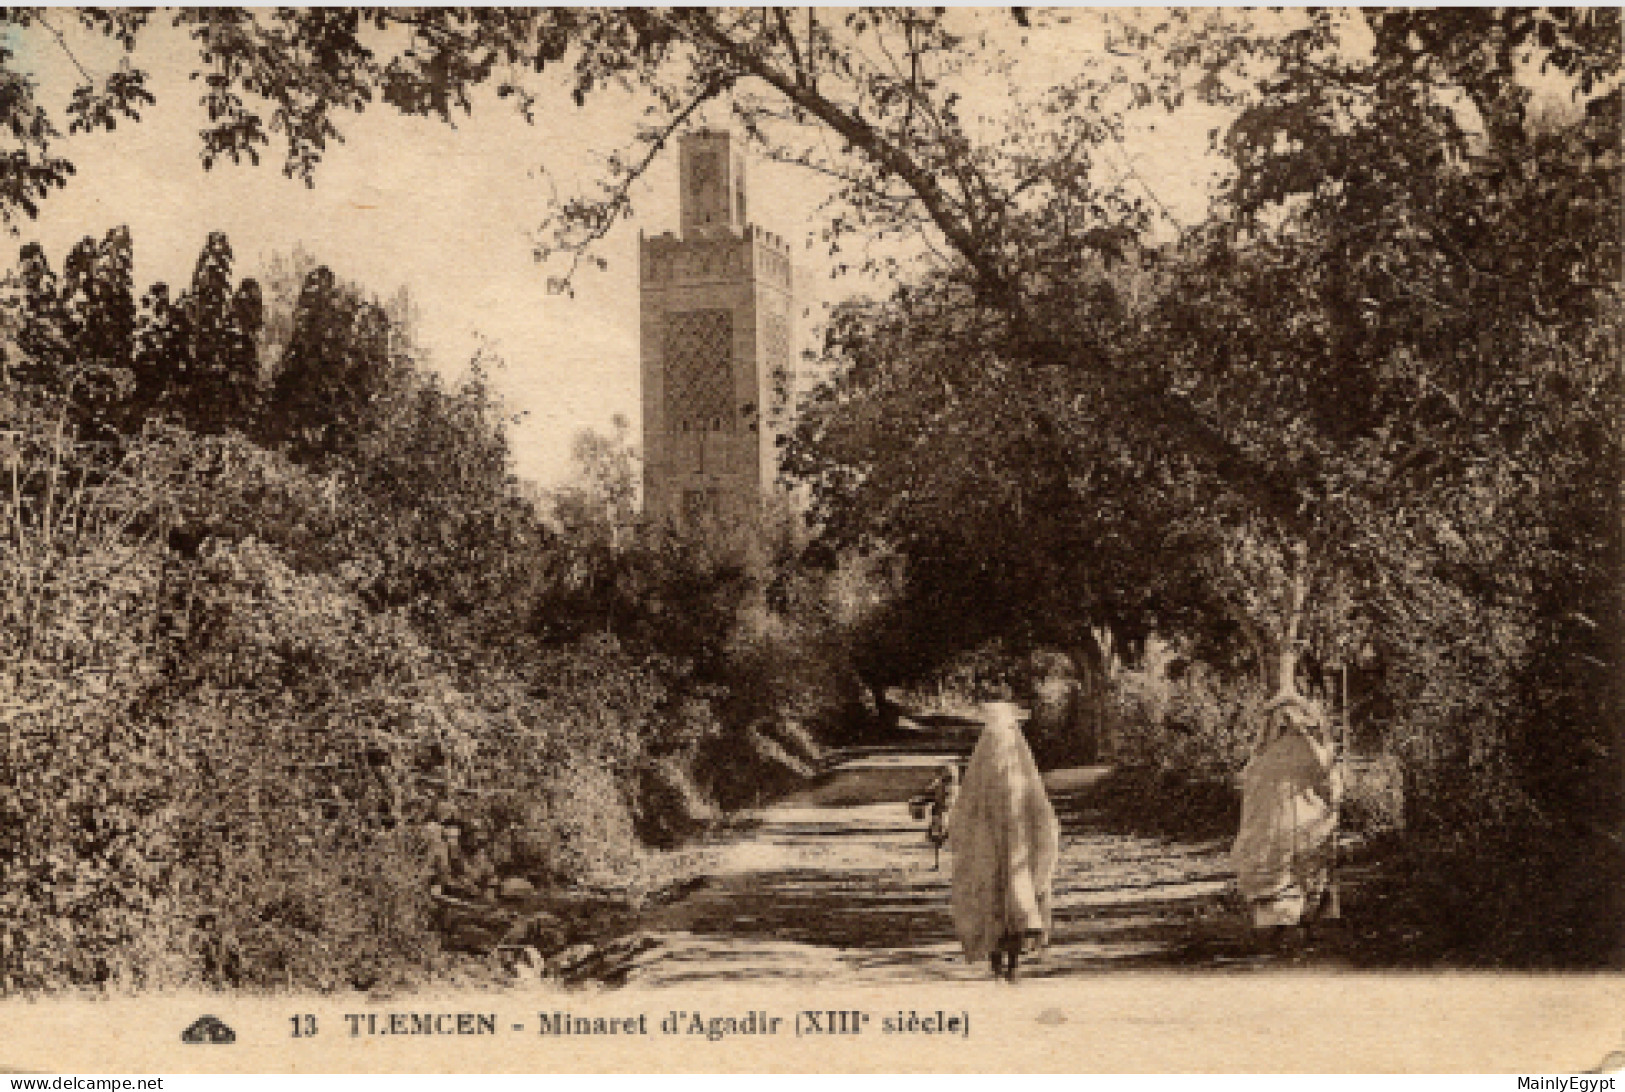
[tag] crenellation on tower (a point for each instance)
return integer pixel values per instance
(718, 344)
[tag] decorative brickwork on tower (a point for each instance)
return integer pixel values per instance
(718, 345)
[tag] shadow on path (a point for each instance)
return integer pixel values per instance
(837, 882)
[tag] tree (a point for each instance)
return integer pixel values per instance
(886, 84)
(162, 349)
(281, 280)
(908, 156)
(82, 342)
(196, 356)
(600, 505)
(435, 516)
(1017, 510)
(75, 334)
(1403, 308)
(224, 322)
(344, 356)
(1382, 315)
(31, 171)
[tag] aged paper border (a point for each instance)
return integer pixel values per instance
(1122, 1022)
(1110, 1022)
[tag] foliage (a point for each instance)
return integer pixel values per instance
(74, 333)
(599, 508)
(196, 356)
(1367, 411)
(710, 603)
(436, 511)
(1415, 318)
(82, 341)
(1519, 904)
(1373, 795)
(1380, 346)
(344, 357)
(299, 713)
(1198, 724)
(218, 762)
(190, 788)
(597, 524)
(1017, 508)
(671, 807)
(416, 488)
(284, 660)
(729, 617)
(33, 170)
(91, 891)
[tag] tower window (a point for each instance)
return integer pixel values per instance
(698, 356)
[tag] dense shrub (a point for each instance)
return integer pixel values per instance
(671, 806)
(786, 683)
(215, 762)
(1374, 795)
(299, 714)
(91, 886)
(1199, 724)
(556, 769)
(228, 488)
(1181, 743)
(1148, 800)
(747, 767)
(739, 632)
(587, 831)
(1053, 730)
(1511, 900)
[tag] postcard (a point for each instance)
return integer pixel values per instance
(811, 540)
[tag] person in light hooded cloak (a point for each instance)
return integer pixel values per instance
(1290, 790)
(1004, 839)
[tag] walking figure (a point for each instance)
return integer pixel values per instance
(944, 791)
(1291, 789)
(1004, 839)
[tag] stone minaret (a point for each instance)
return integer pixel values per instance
(718, 351)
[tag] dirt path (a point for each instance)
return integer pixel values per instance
(836, 883)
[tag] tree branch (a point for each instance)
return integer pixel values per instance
(790, 43)
(615, 207)
(63, 43)
(860, 134)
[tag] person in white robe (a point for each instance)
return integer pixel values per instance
(1004, 839)
(1290, 790)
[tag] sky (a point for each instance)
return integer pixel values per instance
(451, 213)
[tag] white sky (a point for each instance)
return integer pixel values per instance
(449, 213)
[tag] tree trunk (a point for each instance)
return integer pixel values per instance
(1090, 716)
(1278, 641)
(886, 712)
(1289, 647)
(1280, 672)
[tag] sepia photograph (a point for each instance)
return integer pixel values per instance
(812, 539)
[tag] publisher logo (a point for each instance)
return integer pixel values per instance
(208, 1029)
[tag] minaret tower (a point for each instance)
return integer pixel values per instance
(717, 345)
